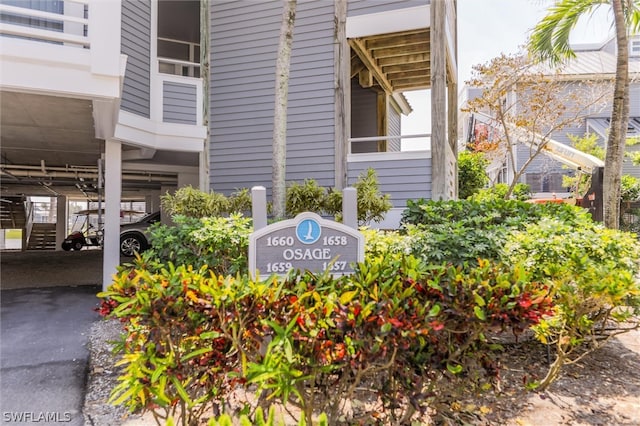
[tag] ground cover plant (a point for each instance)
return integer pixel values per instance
(417, 325)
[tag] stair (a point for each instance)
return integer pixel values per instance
(12, 212)
(43, 237)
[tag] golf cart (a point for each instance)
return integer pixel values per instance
(87, 231)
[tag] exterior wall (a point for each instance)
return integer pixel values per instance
(136, 44)
(394, 128)
(242, 96)
(362, 7)
(363, 117)
(412, 183)
(179, 103)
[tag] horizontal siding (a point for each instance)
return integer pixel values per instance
(242, 93)
(394, 128)
(136, 44)
(412, 183)
(546, 165)
(363, 7)
(179, 103)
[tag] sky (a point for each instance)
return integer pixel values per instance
(487, 28)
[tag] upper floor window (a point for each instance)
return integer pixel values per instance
(179, 37)
(634, 47)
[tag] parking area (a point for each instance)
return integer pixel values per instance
(41, 268)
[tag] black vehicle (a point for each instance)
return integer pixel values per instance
(134, 236)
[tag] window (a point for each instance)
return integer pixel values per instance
(634, 47)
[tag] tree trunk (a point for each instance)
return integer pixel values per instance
(279, 164)
(619, 120)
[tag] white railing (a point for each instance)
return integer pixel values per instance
(188, 66)
(74, 24)
(391, 138)
(178, 67)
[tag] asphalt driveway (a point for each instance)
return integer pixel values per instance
(43, 353)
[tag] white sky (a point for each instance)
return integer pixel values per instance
(487, 28)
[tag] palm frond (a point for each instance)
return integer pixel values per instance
(549, 41)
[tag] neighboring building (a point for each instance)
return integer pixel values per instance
(147, 96)
(593, 63)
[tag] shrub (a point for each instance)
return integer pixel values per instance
(488, 213)
(521, 192)
(371, 204)
(593, 276)
(306, 197)
(192, 202)
(455, 243)
(472, 175)
(630, 188)
(394, 330)
(220, 243)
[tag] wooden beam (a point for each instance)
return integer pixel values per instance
(399, 50)
(358, 46)
(419, 73)
(406, 67)
(411, 86)
(383, 120)
(409, 59)
(365, 78)
(397, 40)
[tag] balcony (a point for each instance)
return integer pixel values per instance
(68, 50)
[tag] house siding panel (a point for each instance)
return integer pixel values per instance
(242, 79)
(179, 103)
(413, 183)
(394, 128)
(363, 7)
(136, 44)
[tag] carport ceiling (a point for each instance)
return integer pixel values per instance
(56, 130)
(48, 147)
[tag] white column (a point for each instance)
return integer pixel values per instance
(112, 196)
(61, 221)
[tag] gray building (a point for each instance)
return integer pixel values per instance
(124, 100)
(594, 64)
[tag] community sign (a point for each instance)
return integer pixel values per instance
(306, 242)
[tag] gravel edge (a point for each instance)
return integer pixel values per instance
(103, 376)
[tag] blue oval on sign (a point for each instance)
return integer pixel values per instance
(308, 231)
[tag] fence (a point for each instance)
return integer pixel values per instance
(630, 216)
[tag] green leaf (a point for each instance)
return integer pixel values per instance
(435, 310)
(478, 299)
(195, 354)
(479, 313)
(454, 369)
(348, 296)
(181, 391)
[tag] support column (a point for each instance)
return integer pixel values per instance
(61, 221)
(342, 94)
(438, 102)
(112, 196)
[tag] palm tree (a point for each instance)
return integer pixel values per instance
(549, 42)
(278, 186)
